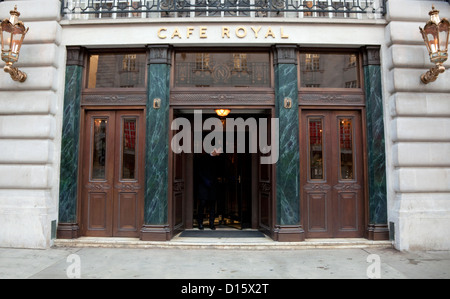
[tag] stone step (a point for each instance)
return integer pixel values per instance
(221, 243)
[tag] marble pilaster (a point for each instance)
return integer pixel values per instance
(157, 146)
(375, 145)
(287, 196)
(67, 224)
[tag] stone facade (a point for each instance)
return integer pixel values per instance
(417, 130)
(37, 152)
(30, 130)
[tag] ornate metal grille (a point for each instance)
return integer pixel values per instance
(93, 9)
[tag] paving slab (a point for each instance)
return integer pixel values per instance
(213, 263)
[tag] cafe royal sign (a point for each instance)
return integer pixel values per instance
(257, 32)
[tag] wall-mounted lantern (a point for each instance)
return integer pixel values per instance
(435, 35)
(12, 33)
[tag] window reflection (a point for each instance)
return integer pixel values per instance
(329, 70)
(316, 148)
(222, 69)
(117, 71)
(129, 148)
(240, 62)
(346, 148)
(99, 149)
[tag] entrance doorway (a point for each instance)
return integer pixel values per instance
(332, 174)
(112, 175)
(231, 189)
(242, 185)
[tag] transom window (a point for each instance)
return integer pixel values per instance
(329, 70)
(222, 69)
(123, 70)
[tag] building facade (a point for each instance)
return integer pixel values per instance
(89, 142)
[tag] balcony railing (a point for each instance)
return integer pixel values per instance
(119, 9)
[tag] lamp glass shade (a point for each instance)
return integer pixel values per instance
(436, 35)
(222, 112)
(444, 32)
(12, 37)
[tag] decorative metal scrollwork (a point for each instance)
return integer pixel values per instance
(184, 8)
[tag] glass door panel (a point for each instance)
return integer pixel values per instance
(316, 163)
(346, 148)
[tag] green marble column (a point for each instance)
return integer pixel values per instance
(287, 227)
(156, 225)
(67, 216)
(378, 228)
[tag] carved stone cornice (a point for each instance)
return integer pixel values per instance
(159, 54)
(371, 55)
(285, 54)
(75, 55)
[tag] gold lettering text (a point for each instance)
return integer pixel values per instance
(189, 31)
(241, 32)
(282, 33)
(176, 32)
(270, 33)
(225, 31)
(203, 32)
(256, 30)
(161, 36)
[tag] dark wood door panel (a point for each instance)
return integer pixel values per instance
(265, 195)
(178, 190)
(264, 209)
(127, 215)
(97, 213)
(97, 174)
(128, 173)
(331, 173)
(347, 203)
(317, 207)
(112, 173)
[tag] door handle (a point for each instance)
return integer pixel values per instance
(156, 103)
(287, 103)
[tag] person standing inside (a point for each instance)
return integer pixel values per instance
(207, 185)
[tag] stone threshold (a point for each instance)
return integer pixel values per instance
(220, 243)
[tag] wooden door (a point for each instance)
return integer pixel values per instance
(113, 172)
(244, 193)
(178, 190)
(332, 179)
(265, 192)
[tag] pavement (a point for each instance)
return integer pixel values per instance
(228, 259)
